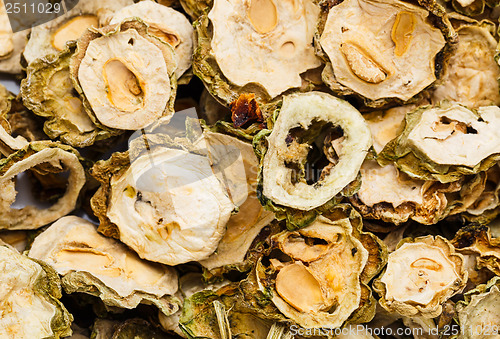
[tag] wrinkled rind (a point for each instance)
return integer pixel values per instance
(6, 99)
(199, 319)
(48, 286)
(375, 258)
(477, 317)
(433, 308)
(437, 17)
(439, 202)
(472, 76)
(196, 8)
(57, 158)
(417, 165)
(206, 68)
(40, 42)
(296, 218)
(103, 171)
(167, 20)
(84, 282)
(35, 90)
(142, 29)
(477, 239)
(77, 278)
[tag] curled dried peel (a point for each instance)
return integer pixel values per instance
(309, 113)
(30, 307)
(33, 155)
(420, 276)
(477, 240)
(390, 69)
(92, 263)
(445, 143)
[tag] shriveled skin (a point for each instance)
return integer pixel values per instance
(73, 245)
(381, 49)
(328, 271)
(421, 275)
(172, 210)
(300, 111)
(167, 24)
(126, 87)
(51, 37)
(251, 217)
(472, 72)
(267, 42)
(25, 313)
(456, 135)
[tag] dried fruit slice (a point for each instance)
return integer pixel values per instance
(259, 46)
(478, 313)
(52, 36)
(46, 157)
(125, 76)
(91, 263)
(420, 276)
(166, 24)
(343, 141)
(333, 261)
(445, 143)
(472, 74)
(169, 197)
(30, 291)
(391, 196)
(396, 62)
(245, 225)
(48, 91)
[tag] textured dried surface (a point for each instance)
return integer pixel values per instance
(51, 37)
(125, 75)
(302, 119)
(420, 276)
(333, 261)
(472, 75)
(174, 202)
(168, 25)
(56, 158)
(444, 143)
(30, 291)
(94, 264)
(49, 92)
(385, 49)
(277, 47)
(243, 226)
(478, 314)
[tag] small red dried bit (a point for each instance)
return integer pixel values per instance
(245, 110)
